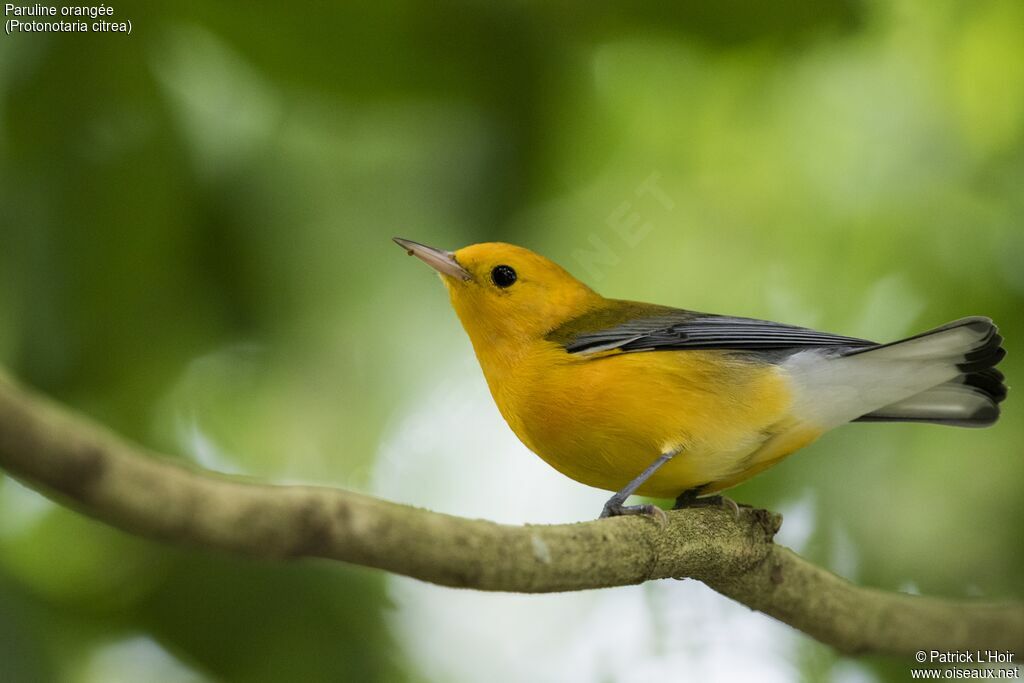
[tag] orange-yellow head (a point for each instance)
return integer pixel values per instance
(506, 294)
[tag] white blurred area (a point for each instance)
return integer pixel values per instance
(452, 452)
(21, 508)
(135, 659)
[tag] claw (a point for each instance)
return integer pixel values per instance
(733, 505)
(688, 499)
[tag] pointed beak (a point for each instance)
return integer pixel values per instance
(442, 261)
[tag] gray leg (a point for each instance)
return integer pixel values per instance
(616, 504)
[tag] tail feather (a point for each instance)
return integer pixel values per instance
(990, 381)
(973, 347)
(954, 403)
(966, 339)
(984, 357)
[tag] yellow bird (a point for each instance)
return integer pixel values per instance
(669, 403)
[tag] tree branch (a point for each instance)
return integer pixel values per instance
(100, 474)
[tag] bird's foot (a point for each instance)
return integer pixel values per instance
(615, 508)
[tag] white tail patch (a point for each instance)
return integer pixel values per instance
(911, 379)
(946, 345)
(949, 402)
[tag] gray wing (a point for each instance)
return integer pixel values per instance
(689, 330)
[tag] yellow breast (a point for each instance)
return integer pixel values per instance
(602, 420)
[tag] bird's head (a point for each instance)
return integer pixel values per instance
(505, 293)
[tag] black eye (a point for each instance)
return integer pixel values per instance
(503, 276)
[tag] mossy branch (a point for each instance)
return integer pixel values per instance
(86, 467)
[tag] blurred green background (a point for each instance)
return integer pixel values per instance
(194, 250)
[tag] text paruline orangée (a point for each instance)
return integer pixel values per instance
(40, 11)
